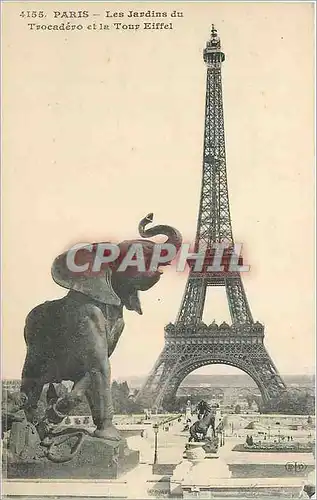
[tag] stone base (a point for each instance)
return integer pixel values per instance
(243, 489)
(110, 489)
(269, 470)
(163, 469)
(196, 473)
(157, 487)
(96, 459)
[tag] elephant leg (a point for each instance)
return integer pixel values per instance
(31, 386)
(100, 401)
(93, 332)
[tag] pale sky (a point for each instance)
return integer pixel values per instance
(102, 127)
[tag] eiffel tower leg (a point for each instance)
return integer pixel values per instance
(268, 376)
(192, 306)
(148, 395)
(237, 300)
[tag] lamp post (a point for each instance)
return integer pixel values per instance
(155, 429)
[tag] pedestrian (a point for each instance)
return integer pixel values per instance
(310, 486)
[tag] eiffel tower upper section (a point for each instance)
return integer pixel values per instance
(214, 222)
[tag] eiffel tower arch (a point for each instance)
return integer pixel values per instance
(242, 348)
(190, 343)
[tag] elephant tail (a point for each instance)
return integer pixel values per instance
(62, 458)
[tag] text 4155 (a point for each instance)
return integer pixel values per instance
(32, 13)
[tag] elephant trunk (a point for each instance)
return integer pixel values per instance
(174, 237)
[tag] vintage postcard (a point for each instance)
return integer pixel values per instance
(158, 242)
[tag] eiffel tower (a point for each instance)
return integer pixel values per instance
(189, 343)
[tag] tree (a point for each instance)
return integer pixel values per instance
(250, 399)
(178, 405)
(293, 401)
(125, 389)
(122, 403)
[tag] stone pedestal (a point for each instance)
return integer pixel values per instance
(180, 472)
(96, 459)
(197, 469)
(24, 441)
(204, 471)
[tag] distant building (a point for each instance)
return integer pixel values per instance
(11, 385)
(216, 394)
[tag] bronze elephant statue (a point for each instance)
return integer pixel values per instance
(72, 338)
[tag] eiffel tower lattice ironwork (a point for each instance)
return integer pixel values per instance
(189, 343)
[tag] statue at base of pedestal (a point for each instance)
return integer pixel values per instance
(206, 419)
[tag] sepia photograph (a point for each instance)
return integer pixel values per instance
(158, 250)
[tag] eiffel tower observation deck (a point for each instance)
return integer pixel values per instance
(189, 343)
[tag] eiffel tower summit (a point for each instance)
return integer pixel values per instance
(190, 343)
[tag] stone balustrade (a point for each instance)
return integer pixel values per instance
(202, 330)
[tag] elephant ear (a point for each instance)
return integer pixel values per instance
(98, 286)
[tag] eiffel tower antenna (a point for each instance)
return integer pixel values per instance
(189, 343)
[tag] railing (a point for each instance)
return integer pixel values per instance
(170, 419)
(202, 330)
